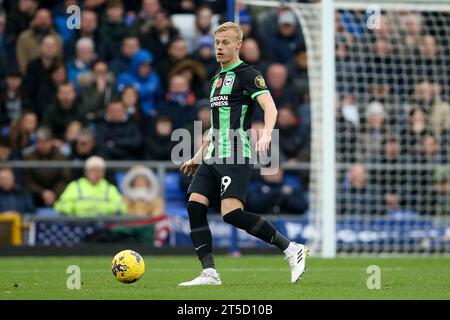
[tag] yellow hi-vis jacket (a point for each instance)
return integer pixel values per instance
(83, 199)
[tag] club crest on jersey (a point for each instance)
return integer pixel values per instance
(228, 81)
(260, 82)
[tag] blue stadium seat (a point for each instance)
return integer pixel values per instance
(175, 198)
(119, 178)
(172, 187)
(46, 213)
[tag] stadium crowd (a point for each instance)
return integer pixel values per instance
(117, 87)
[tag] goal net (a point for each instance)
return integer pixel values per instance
(392, 124)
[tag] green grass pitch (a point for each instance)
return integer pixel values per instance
(248, 277)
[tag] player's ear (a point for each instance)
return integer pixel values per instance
(238, 45)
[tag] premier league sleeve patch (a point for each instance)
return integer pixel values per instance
(260, 82)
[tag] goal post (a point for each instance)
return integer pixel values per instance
(320, 44)
(379, 82)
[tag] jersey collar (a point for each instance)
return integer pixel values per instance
(232, 66)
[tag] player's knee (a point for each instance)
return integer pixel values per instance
(230, 204)
(197, 197)
(232, 217)
(197, 214)
(196, 209)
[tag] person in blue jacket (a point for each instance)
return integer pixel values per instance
(146, 81)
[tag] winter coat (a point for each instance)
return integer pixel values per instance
(81, 198)
(143, 203)
(125, 136)
(16, 200)
(37, 180)
(94, 101)
(58, 119)
(148, 88)
(28, 47)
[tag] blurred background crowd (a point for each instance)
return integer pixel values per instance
(117, 87)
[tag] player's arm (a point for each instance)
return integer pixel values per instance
(191, 166)
(270, 117)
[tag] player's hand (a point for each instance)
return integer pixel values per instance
(263, 143)
(189, 167)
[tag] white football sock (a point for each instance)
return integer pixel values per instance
(290, 249)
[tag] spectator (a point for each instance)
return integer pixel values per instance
(97, 89)
(411, 23)
(159, 145)
(113, 23)
(96, 5)
(83, 148)
(19, 19)
(277, 193)
(349, 67)
(141, 193)
(438, 203)
(188, 6)
(374, 131)
(291, 141)
(179, 102)
(420, 184)
(11, 99)
(29, 41)
(250, 30)
(92, 195)
(427, 95)
(203, 27)
(177, 52)
(146, 17)
(202, 110)
(37, 77)
(118, 136)
(429, 150)
(89, 29)
(355, 195)
(205, 55)
(12, 198)
(347, 126)
(82, 63)
(6, 151)
(65, 146)
(130, 45)
(130, 99)
(287, 37)
(251, 54)
(380, 62)
(157, 38)
(66, 109)
(277, 82)
(195, 73)
(45, 184)
(60, 18)
(298, 73)
(23, 132)
(388, 174)
(144, 78)
(416, 128)
(46, 95)
(427, 58)
(8, 154)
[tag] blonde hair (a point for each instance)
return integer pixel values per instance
(230, 26)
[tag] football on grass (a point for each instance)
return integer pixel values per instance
(128, 266)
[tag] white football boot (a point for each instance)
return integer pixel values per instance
(206, 278)
(297, 262)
